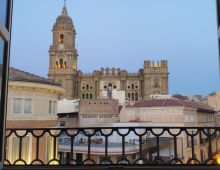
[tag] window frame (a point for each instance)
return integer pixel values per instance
(21, 107)
(52, 107)
(30, 106)
(5, 34)
(15, 108)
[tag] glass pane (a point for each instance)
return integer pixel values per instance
(27, 105)
(17, 105)
(54, 107)
(1, 50)
(50, 106)
(3, 9)
(1, 60)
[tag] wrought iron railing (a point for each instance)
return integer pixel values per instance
(112, 146)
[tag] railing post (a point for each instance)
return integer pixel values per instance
(210, 145)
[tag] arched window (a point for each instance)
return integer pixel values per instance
(61, 39)
(136, 96)
(132, 96)
(57, 65)
(87, 96)
(132, 86)
(65, 64)
(87, 87)
(90, 95)
(110, 85)
(61, 63)
(83, 96)
(129, 95)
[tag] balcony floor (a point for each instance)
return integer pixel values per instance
(98, 167)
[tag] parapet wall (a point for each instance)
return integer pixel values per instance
(160, 64)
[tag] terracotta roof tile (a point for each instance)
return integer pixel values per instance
(19, 75)
(173, 102)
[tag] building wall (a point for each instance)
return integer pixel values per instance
(99, 112)
(214, 100)
(40, 95)
(152, 79)
(106, 106)
(68, 106)
(162, 115)
(68, 113)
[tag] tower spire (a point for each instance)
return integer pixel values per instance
(64, 11)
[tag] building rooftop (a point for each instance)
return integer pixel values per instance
(173, 102)
(19, 75)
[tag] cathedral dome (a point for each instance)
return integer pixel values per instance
(64, 16)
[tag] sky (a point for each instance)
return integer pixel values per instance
(124, 33)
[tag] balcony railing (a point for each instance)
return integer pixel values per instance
(113, 146)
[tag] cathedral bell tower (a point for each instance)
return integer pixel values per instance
(63, 54)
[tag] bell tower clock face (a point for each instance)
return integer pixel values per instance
(61, 46)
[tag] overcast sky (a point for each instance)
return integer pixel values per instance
(124, 33)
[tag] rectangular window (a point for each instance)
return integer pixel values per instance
(54, 107)
(27, 105)
(50, 107)
(17, 105)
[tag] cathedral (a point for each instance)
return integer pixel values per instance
(63, 56)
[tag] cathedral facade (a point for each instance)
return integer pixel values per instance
(152, 78)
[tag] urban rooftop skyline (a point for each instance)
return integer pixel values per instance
(123, 34)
